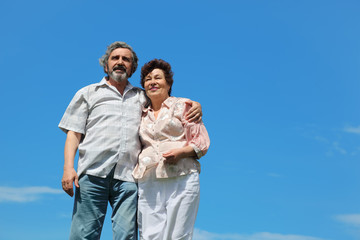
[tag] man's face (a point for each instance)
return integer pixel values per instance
(119, 64)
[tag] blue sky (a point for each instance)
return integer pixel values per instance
(278, 81)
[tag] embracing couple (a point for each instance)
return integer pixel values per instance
(138, 151)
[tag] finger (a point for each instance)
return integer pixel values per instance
(77, 182)
(68, 190)
(169, 159)
(166, 154)
(63, 184)
(192, 111)
(190, 115)
(198, 120)
(194, 117)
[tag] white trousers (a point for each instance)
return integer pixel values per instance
(167, 208)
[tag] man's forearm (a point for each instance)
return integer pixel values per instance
(69, 177)
(71, 146)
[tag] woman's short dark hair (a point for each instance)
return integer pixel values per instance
(160, 64)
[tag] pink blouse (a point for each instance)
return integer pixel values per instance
(169, 131)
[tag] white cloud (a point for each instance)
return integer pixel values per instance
(355, 152)
(271, 174)
(321, 139)
(352, 129)
(25, 194)
(333, 146)
(337, 147)
(204, 235)
(351, 219)
(67, 215)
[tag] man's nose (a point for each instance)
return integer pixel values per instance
(120, 62)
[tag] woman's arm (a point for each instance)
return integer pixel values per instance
(176, 154)
(197, 138)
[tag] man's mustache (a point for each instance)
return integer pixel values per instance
(119, 67)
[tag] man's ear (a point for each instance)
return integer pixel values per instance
(106, 69)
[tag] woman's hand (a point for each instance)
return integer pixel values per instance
(174, 155)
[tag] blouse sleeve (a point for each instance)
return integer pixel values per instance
(196, 134)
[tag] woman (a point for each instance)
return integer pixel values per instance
(168, 170)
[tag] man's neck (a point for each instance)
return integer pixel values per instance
(120, 86)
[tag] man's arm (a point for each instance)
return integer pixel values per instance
(196, 136)
(70, 176)
(195, 112)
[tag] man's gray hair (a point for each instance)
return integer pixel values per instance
(105, 58)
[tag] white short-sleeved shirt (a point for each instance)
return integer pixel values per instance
(110, 124)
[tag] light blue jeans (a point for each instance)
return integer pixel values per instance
(91, 201)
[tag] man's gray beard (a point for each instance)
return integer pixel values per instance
(119, 77)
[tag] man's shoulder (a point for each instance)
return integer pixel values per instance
(144, 101)
(92, 86)
(85, 90)
(139, 90)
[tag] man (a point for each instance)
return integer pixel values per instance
(102, 122)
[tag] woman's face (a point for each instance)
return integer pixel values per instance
(155, 84)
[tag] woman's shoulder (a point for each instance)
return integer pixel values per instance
(180, 100)
(176, 102)
(179, 105)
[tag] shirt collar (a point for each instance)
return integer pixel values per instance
(167, 103)
(104, 82)
(128, 87)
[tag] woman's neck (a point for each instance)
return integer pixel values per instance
(157, 102)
